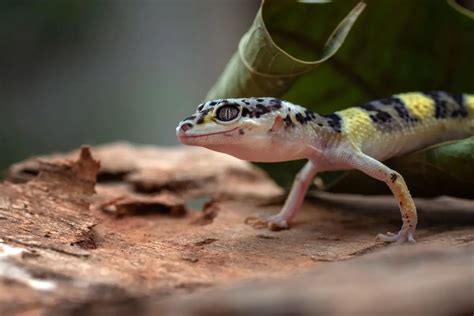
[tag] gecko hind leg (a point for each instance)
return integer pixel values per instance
(397, 185)
(295, 198)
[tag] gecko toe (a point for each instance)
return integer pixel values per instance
(388, 237)
(276, 223)
(403, 236)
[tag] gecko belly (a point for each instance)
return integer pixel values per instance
(257, 152)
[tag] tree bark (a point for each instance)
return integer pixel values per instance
(136, 229)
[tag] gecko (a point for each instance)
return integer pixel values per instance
(266, 129)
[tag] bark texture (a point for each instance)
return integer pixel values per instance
(135, 229)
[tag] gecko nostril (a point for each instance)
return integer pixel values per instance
(185, 127)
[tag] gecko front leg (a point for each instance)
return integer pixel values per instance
(295, 198)
(397, 185)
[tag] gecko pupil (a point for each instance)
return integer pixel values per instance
(227, 113)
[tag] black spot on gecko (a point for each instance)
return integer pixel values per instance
(459, 98)
(245, 112)
(288, 121)
(275, 104)
(309, 115)
(260, 100)
(448, 105)
(200, 107)
(204, 112)
(393, 178)
(402, 110)
(202, 116)
(369, 107)
(300, 118)
(212, 103)
(262, 108)
(389, 113)
(200, 120)
(334, 121)
(377, 115)
(241, 131)
(381, 116)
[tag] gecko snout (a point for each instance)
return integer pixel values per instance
(185, 127)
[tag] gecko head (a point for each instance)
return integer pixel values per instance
(237, 124)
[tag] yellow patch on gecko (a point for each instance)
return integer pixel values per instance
(357, 124)
(209, 118)
(418, 105)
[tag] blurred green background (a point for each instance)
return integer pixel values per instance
(82, 71)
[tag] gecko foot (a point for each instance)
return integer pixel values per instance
(403, 236)
(277, 222)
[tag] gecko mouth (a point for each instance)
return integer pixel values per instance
(183, 136)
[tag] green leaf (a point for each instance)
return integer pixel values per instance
(463, 7)
(260, 67)
(397, 46)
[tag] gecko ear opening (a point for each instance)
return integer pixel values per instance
(277, 124)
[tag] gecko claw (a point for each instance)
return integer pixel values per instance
(403, 236)
(277, 222)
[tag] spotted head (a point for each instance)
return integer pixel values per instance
(256, 129)
(228, 120)
(232, 125)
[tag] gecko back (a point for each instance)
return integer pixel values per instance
(405, 122)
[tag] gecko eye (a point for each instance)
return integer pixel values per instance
(228, 113)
